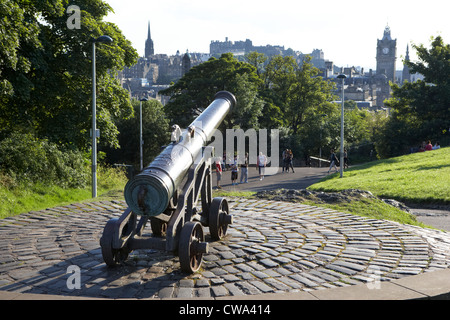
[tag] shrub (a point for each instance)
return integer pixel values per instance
(28, 159)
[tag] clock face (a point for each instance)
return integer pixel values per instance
(385, 50)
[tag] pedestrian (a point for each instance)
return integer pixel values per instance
(289, 161)
(218, 172)
(334, 161)
(244, 169)
(262, 162)
(234, 171)
(224, 160)
(283, 160)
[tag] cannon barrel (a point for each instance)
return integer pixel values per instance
(149, 192)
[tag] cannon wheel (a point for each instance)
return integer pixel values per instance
(218, 213)
(190, 251)
(111, 256)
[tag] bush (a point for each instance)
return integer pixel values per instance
(27, 159)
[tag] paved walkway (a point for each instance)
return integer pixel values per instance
(275, 250)
(300, 179)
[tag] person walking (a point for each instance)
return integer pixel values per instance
(244, 169)
(289, 161)
(334, 161)
(283, 160)
(262, 162)
(218, 172)
(234, 171)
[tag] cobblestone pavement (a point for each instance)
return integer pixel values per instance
(271, 247)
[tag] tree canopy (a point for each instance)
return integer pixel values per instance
(197, 88)
(45, 71)
(420, 109)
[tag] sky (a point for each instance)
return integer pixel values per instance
(346, 31)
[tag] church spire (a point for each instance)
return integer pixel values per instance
(406, 75)
(149, 48)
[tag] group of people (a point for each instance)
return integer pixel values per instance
(235, 165)
(428, 146)
(287, 158)
(424, 146)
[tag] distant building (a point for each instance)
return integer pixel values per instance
(149, 47)
(406, 76)
(241, 48)
(387, 55)
(186, 63)
(238, 48)
(154, 72)
(386, 66)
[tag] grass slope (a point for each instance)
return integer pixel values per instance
(416, 178)
(33, 197)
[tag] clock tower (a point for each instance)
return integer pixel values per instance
(387, 55)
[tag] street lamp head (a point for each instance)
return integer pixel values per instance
(104, 39)
(341, 76)
(143, 99)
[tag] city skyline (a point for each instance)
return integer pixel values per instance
(347, 32)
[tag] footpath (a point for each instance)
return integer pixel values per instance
(273, 251)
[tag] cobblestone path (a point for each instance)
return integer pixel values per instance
(271, 247)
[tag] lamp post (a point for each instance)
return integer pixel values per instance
(341, 161)
(104, 39)
(141, 142)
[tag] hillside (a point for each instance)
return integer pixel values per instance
(416, 178)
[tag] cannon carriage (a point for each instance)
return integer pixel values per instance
(174, 194)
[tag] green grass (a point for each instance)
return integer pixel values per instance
(233, 194)
(416, 178)
(373, 209)
(365, 207)
(25, 197)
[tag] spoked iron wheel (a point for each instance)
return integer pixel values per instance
(219, 218)
(192, 247)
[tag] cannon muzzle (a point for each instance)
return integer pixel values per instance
(149, 193)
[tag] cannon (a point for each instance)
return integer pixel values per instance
(174, 194)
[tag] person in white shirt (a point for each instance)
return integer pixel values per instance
(262, 162)
(436, 146)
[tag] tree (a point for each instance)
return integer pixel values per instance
(420, 110)
(308, 94)
(257, 60)
(278, 78)
(297, 99)
(155, 134)
(46, 75)
(197, 88)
